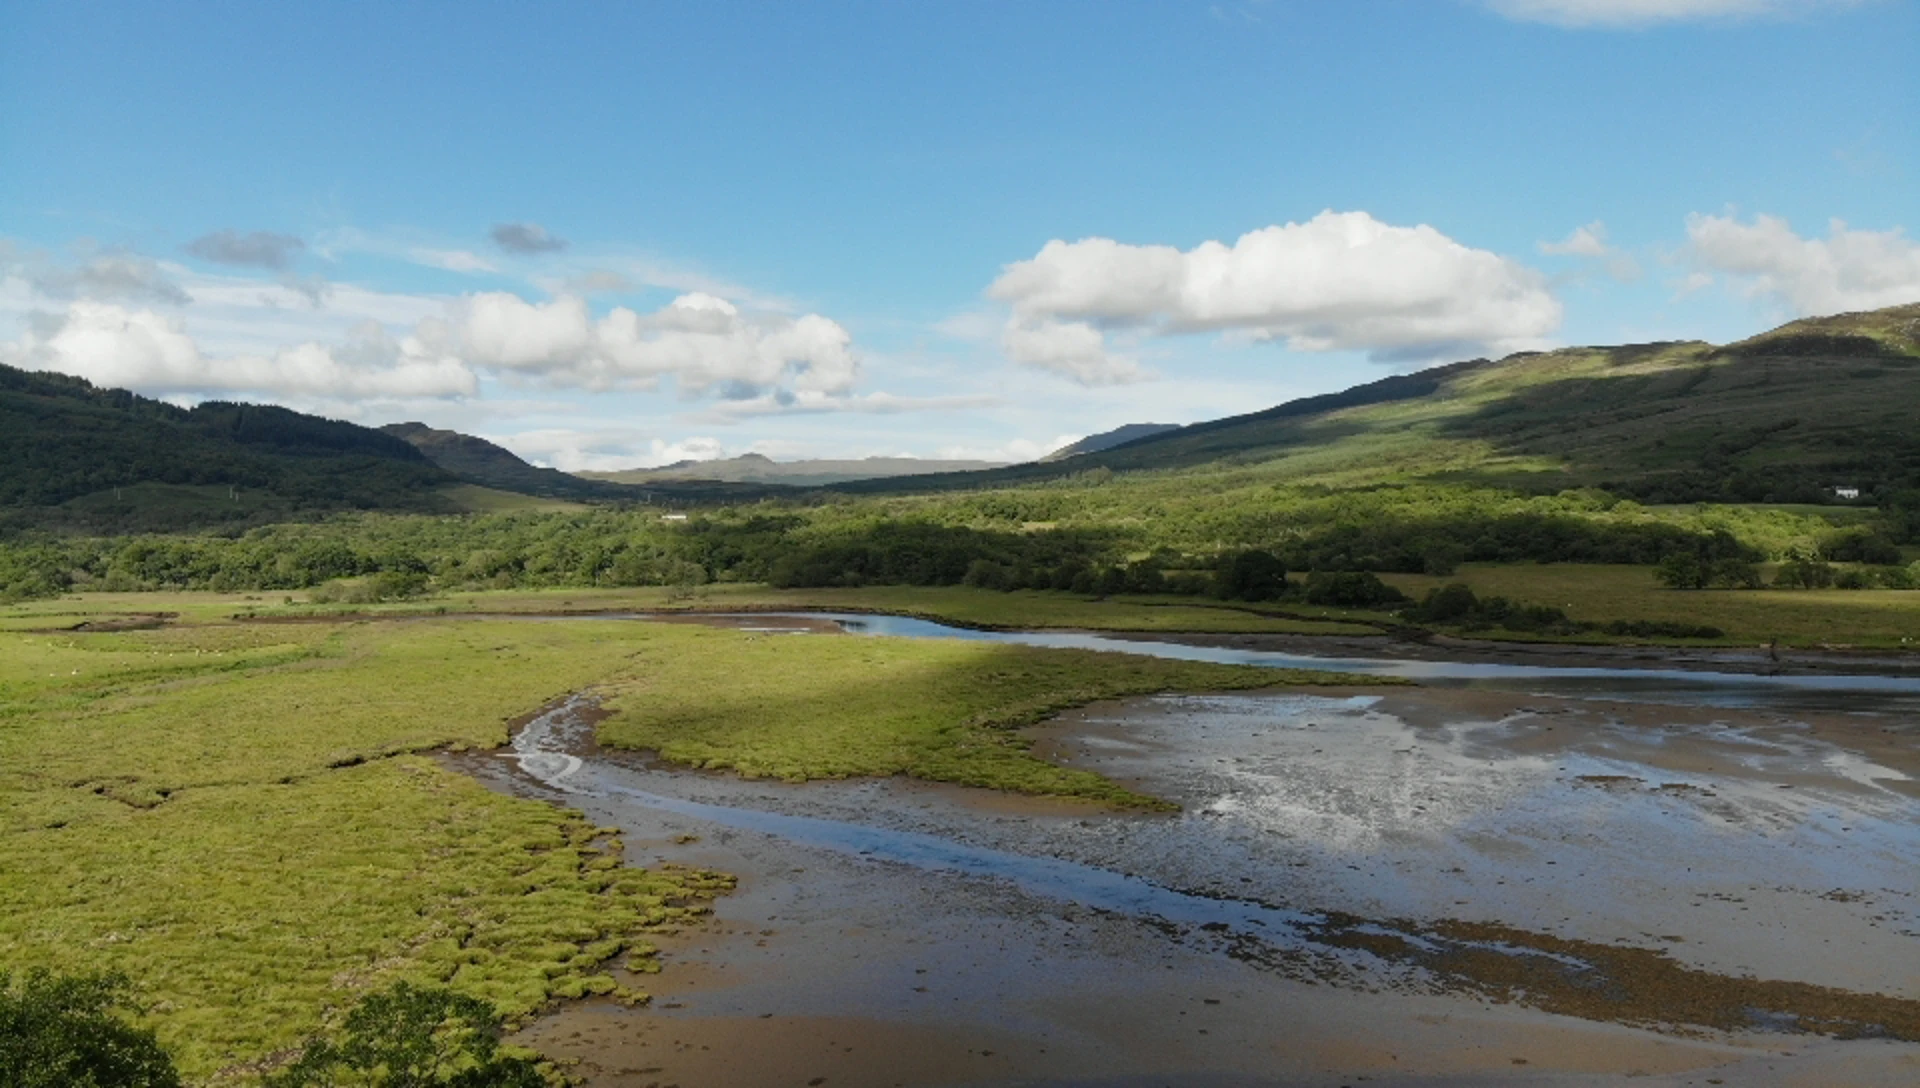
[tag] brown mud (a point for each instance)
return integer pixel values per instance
(1627, 959)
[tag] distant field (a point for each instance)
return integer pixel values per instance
(1866, 618)
(960, 604)
(472, 498)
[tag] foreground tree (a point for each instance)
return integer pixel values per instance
(412, 1037)
(69, 1031)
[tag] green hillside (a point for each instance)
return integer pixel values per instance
(1782, 417)
(479, 461)
(75, 455)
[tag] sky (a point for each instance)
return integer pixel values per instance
(615, 235)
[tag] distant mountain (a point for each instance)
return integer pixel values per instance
(753, 468)
(1106, 440)
(1785, 416)
(483, 462)
(79, 456)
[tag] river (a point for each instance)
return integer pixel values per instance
(1384, 882)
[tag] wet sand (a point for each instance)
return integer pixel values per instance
(1454, 869)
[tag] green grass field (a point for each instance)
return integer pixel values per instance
(1867, 618)
(244, 817)
(836, 707)
(957, 604)
(234, 816)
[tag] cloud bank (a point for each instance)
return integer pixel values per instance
(99, 319)
(704, 342)
(1342, 281)
(112, 346)
(1847, 270)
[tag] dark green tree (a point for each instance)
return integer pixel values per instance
(70, 1031)
(1251, 575)
(412, 1037)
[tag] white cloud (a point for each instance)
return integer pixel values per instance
(1073, 349)
(1590, 244)
(1846, 270)
(452, 260)
(113, 275)
(1012, 451)
(140, 349)
(1587, 241)
(1614, 14)
(1338, 282)
(437, 345)
(606, 450)
(702, 341)
(814, 402)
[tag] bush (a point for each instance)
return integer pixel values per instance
(1661, 629)
(1250, 575)
(68, 1031)
(1859, 546)
(1351, 589)
(1448, 604)
(1456, 605)
(1683, 570)
(413, 1037)
(1803, 571)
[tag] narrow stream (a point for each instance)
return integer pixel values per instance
(1839, 693)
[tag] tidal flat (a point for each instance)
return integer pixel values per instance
(1404, 885)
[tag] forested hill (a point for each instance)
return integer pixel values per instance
(484, 462)
(68, 445)
(1786, 416)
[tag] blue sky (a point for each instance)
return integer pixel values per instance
(609, 235)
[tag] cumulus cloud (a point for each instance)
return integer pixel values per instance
(1073, 349)
(609, 449)
(1847, 270)
(115, 276)
(702, 341)
(1342, 281)
(526, 239)
(112, 346)
(1615, 14)
(1012, 451)
(258, 249)
(1589, 243)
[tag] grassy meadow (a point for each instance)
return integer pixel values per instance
(246, 818)
(1851, 618)
(835, 707)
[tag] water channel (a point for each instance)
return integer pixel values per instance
(1718, 826)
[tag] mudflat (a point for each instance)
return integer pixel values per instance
(1402, 885)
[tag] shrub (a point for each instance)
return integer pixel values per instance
(1250, 575)
(1803, 571)
(1447, 604)
(1351, 589)
(68, 1031)
(413, 1037)
(1859, 546)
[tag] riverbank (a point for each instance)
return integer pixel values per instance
(870, 960)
